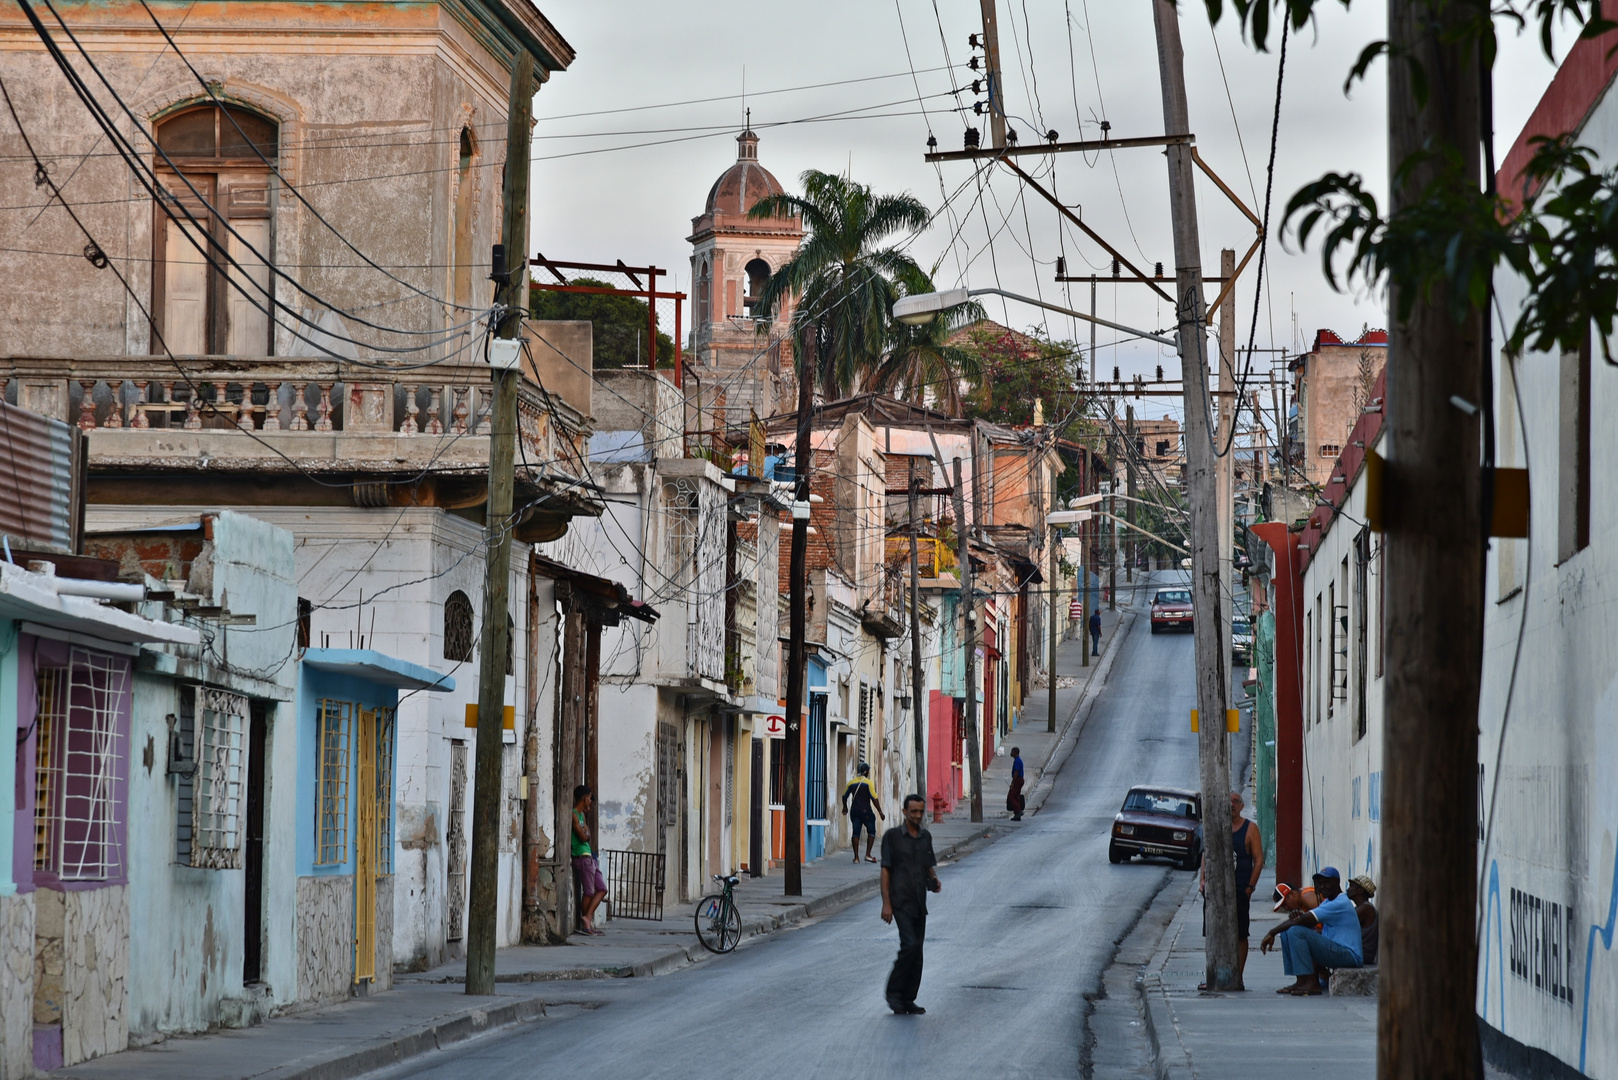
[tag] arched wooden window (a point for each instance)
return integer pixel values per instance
(457, 627)
(212, 232)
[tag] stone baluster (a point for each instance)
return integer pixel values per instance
(435, 412)
(244, 413)
(300, 407)
(323, 423)
(461, 410)
(411, 409)
(115, 414)
(272, 406)
(140, 419)
(193, 411)
(220, 403)
(87, 405)
(168, 402)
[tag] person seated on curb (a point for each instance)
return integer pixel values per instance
(1306, 955)
(1360, 890)
(1289, 899)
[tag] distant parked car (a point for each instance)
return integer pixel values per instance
(1241, 641)
(1171, 610)
(1161, 821)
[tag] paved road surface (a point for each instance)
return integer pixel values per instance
(1020, 933)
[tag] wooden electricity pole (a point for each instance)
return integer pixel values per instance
(969, 645)
(1212, 652)
(917, 712)
(484, 870)
(797, 585)
(1226, 442)
(991, 59)
(1432, 504)
(1050, 696)
(1129, 462)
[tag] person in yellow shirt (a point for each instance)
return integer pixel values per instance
(861, 814)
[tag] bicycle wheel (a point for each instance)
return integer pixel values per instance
(719, 924)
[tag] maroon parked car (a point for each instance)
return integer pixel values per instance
(1162, 821)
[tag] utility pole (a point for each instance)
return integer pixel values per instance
(1129, 461)
(1434, 552)
(1227, 442)
(1050, 709)
(974, 751)
(917, 713)
(997, 105)
(484, 870)
(1212, 652)
(792, 846)
(1112, 523)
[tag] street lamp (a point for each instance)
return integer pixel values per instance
(920, 308)
(1059, 518)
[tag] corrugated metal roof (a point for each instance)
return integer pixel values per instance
(36, 489)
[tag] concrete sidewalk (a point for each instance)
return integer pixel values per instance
(428, 1010)
(1252, 1033)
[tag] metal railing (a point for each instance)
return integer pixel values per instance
(634, 884)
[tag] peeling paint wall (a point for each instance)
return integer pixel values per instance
(187, 948)
(326, 937)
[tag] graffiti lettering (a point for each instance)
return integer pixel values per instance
(1541, 937)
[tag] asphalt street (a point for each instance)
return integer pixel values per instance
(1021, 932)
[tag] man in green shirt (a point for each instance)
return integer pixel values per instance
(592, 886)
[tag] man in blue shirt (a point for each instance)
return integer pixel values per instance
(1314, 941)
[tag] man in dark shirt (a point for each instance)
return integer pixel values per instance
(908, 875)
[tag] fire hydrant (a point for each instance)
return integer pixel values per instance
(938, 808)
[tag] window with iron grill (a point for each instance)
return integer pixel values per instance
(79, 759)
(458, 627)
(336, 725)
(216, 797)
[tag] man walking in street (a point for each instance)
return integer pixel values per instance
(1014, 796)
(1095, 632)
(860, 815)
(908, 875)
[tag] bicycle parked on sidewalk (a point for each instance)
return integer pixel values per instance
(719, 923)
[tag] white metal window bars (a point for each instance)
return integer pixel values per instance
(336, 724)
(78, 813)
(216, 802)
(384, 791)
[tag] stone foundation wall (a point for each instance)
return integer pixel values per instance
(325, 922)
(16, 985)
(95, 962)
(384, 934)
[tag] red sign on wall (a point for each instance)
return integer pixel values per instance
(775, 727)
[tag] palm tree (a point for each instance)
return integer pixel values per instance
(921, 365)
(843, 281)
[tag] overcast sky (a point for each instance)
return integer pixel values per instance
(830, 86)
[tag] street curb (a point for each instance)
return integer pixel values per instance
(1064, 744)
(440, 1035)
(1170, 1062)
